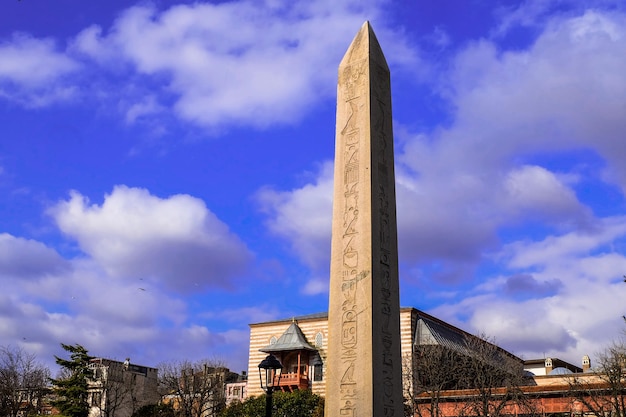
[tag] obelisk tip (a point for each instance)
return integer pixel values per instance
(364, 45)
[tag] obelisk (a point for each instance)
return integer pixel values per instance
(363, 361)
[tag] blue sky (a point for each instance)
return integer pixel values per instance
(166, 169)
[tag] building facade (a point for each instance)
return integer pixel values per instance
(546, 385)
(301, 343)
(118, 389)
(565, 390)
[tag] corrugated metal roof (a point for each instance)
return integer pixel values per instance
(292, 339)
(431, 332)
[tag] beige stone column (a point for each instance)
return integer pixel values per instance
(363, 366)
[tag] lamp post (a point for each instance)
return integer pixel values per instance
(267, 371)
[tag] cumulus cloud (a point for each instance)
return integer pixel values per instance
(303, 217)
(24, 258)
(511, 107)
(111, 317)
(563, 94)
(267, 71)
(32, 71)
(175, 241)
(483, 193)
(122, 296)
(524, 254)
(187, 58)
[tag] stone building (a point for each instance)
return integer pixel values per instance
(237, 390)
(201, 390)
(120, 388)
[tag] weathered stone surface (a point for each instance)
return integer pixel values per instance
(364, 362)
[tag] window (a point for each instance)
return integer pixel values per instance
(96, 399)
(273, 340)
(319, 340)
(318, 373)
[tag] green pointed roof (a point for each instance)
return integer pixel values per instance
(292, 339)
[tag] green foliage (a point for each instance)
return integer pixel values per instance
(300, 403)
(71, 388)
(155, 410)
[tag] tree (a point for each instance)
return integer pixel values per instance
(602, 392)
(299, 403)
(23, 382)
(112, 388)
(195, 389)
(71, 386)
(495, 379)
(432, 370)
(155, 410)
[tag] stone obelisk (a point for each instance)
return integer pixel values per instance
(363, 362)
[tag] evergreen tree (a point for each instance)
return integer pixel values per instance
(71, 386)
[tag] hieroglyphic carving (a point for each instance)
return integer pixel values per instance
(364, 362)
(381, 111)
(351, 143)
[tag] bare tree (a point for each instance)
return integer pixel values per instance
(195, 389)
(23, 382)
(494, 379)
(602, 392)
(433, 369)
(109, 389)
(119, 389)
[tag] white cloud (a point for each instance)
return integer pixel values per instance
(32, 62)
(565, 93)
(571, 245)
(268, 70)
(303, 217)
(23, 258)
(254, 63)
(32, 71)
(175, 241)
(112, 317)
(316, 285)
(148, 106)
(535, 190)
(473, 196)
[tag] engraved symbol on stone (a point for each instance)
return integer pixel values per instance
(348, 331)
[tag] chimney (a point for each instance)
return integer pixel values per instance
(586, 363)
(548, 365)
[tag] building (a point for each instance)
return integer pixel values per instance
(300, 344)
(554, 388)
(237, 390)
(547, 385)
(35, 401)
(120, 388)
(201, 390)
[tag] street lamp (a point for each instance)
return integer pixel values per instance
(268, 368)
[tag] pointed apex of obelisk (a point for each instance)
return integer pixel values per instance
(364, 45)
